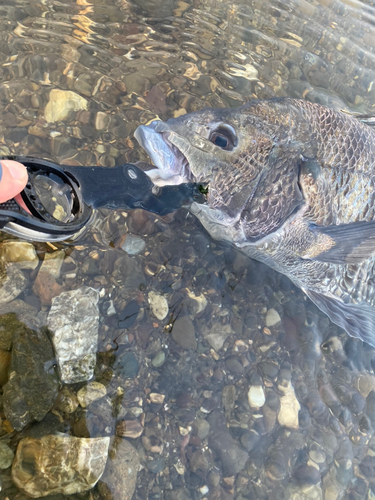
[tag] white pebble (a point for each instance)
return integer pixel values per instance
(256, 396)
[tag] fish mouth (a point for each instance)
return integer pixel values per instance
(172, 167)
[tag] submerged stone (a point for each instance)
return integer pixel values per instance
(74, 322)
(6, 456)
(59, 464)
(289, 407)
(12, 283)
(120, 475)
(61, 103)
(21, 253)
(183, 333)
(158, 304)
(32, 387)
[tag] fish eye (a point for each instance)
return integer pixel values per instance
(224, 138)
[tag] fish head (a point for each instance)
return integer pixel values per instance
(247, 157)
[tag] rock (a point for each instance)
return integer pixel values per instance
(127, 365)
(129, 429)
(32, 387)
(61, 103)
(217, 335)
(6, 456)
(307, 474)
(183, 333)
(26, 314)
(226, 449)
(5, 358)
(158, 359)
(365, 384)
(120, 475)
(201, 428)
(59, 464)
(159, 305)
(8, 325)
(66, 401)
(256, 396)
(12, 283)
(199, 461)
(289, 407)
(228, 397)
(90, 393)
(197, 303)
(133, 244)
(74, 322)
(19, 252)
(272, 317)
(46, 287)
(157, 398)
(52, 263)
(234, 365)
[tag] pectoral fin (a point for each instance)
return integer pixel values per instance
(343, 244)
(358, 320)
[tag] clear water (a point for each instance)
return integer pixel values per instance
(128, 63)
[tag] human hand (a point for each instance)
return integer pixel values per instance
(13, 179)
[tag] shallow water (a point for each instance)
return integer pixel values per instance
(288, 396)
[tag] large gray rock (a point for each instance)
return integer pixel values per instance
(32, 387)
(120, 475)
(59, 464)
(74, 322)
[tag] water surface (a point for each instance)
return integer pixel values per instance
(289, 400)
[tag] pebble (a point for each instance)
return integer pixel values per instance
(183, 333)
(75, 315)
(120, 476)
(133, 244)
(46, 287)
(158, 359)
(13, 283)
(256, 396)
(234, 365)
(287, 415)
(67, 401)
(127, 365)
(129, 428)
(201, 428)
(272, 317)
(53, 262)
(90, 393)
(6, 456)
(19, 252)
(157, 398)
(155, 466)
(31, 390)
(233, 458)
(217, 335)
(60, 464)
(61, 103)
(159, 305)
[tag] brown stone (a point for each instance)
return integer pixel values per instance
(46, 287)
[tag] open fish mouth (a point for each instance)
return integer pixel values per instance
(172, 167)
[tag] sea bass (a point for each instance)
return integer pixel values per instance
(291, 184)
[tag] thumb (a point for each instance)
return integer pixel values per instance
(13, 179)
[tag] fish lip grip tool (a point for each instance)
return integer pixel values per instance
(58, 201)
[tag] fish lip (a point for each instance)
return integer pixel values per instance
(170, 162)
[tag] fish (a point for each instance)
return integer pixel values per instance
(291, 184)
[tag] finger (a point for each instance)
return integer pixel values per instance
(13, 179)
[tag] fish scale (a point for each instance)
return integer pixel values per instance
(293, 189)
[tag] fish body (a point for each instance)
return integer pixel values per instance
(291, 184)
